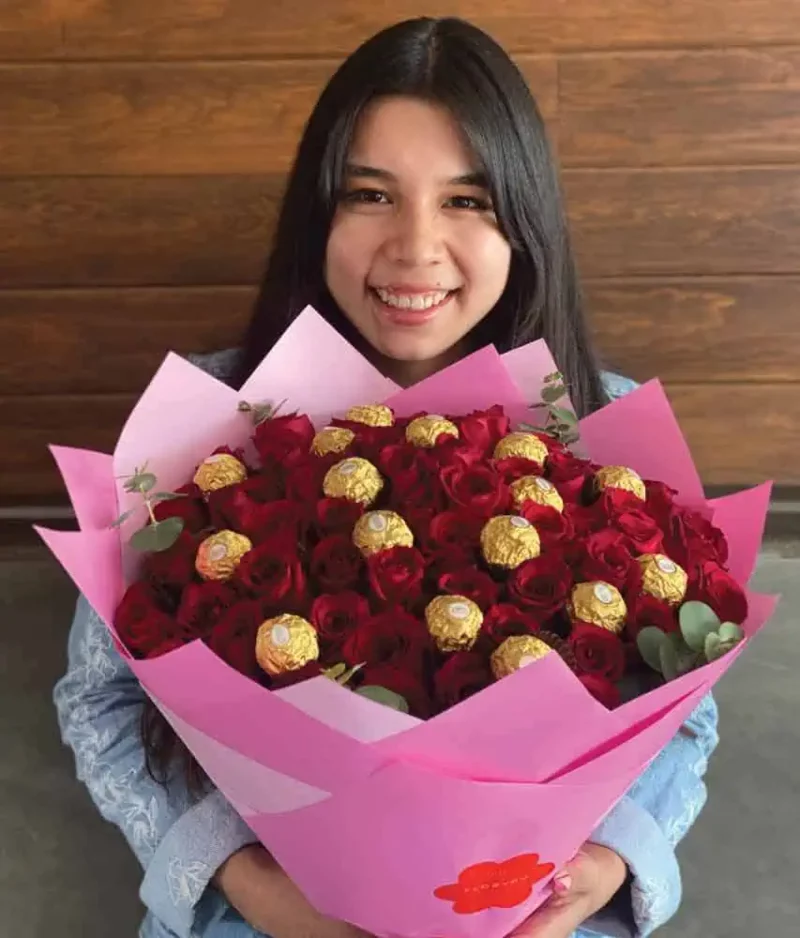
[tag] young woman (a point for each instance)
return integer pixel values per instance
(423, 219)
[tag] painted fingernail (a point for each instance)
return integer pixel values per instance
(562, 883)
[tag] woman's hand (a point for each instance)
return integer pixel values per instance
(269, 901)
(586, 885)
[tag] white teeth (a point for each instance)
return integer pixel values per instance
(417, 301)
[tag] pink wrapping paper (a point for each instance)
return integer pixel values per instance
(374, 813)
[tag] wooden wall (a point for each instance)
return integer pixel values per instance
(144, 142)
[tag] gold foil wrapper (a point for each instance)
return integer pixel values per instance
(454, 622)
(331, 440)
(516, 652)
(219, 471)
(663, 578)
(355, 479)
(371, 415)
(620, 477)
(598, 603)
(380, 530)
(536, 489)
(426, 430)
(523, 445)
(220, 554)
(509, 540)
(286, 643)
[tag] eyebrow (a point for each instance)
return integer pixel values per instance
(478, 180)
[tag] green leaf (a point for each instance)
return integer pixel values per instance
(166, 497)
(157, 537)
(346, 676)
(553, 376)
(697, 622)
(383, 695)
(553, 392)
(731, 632)
(713, 647)
(669, 661)
(564, 416)
(335, 671)
(141, 482)
(122, 518)
(649, 642)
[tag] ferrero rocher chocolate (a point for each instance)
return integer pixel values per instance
(663, 578)
(536, 489)
(220, 554)
(516, 652)
(426, 430)
(598, 603)
(331, 440)
(620, 477)
(371, 415)
(380, 530)
(523, 445)
(355, 479)
(218, 471)
(286, 643)
(454, 622)
(509, 540)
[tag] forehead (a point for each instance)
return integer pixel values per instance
(412, 139)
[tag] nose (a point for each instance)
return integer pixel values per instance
(415, 238)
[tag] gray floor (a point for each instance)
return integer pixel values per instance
(64, 873)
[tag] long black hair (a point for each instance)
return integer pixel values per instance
(451, 63)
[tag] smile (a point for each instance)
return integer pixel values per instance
(415, 301)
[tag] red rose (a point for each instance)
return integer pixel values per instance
(337, 615)
(403, 681)
(455, 529)
(268, 521)
(586, 519)
(606, 558)
(483, 429)
(202, 604)
(273, 576)
(506, 619)
(552, 525)
(338, 515)
(597, 651)
(645, 610)
(287, 678)
(479, 489)
(642, 534)
(304, 482)
(419, 520)
(233, 637)
(395, 575)
(693, 539)
(568, 473)
(462, 675)
(284, 438)
(190, 507)
(660, 501)
(392, 637)
(717, 588)
(601, 689)
(143, 626)
(173, 567)
(411, 474)
(515, 467)
(613, 502)
(336, 563)
(541, 585)
(473, 583)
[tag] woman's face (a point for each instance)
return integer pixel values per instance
(414, 257)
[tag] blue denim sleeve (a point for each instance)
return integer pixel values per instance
(179, 842)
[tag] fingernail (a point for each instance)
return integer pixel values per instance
(562, 883)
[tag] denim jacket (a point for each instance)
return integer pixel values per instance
(181, 842)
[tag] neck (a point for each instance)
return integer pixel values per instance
(406, 373)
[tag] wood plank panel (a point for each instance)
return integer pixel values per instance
(225, 28)
(729, 106)
(685, 222)
(107, 340)
(30, 29)
(738, 329)
(171, 118)
(715, 418)
(147, 231)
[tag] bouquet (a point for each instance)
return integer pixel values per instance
(453, 613)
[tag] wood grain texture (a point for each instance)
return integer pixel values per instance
(729, 329)
(172, 118)
(739, 434)
(226, 28)
(147, 231)
(685, 222)
(728, 106)
(109, 340)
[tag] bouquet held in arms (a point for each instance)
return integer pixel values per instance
(423, 640)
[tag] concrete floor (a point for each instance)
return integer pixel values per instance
(64, 873)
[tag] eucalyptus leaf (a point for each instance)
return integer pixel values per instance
(157, 537)
(143, 482)
(166, 497)
(713, 647)
(649, 642)
(697, 622)
(346, 676)
(552, 377)
(335, 671)
(383, 695)
(669, 661)
(122, 518)
(564, 416)
(730, 632)
(552, 393)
